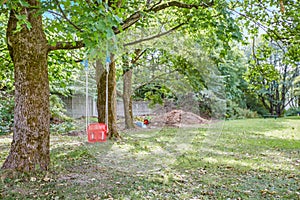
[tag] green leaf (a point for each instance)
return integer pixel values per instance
(24, 3)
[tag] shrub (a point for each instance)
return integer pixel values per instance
(60, 122)
(63, 127)
(233, 111)
(57, 114)
(57, 107)
(292, 111)
(6, 112)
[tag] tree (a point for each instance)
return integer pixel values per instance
(128, 65)
(189, 19)
(277, 22)
(111, 93)
(29, 49)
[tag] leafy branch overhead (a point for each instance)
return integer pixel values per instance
(94, 24)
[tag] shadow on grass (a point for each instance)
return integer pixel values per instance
(172, 163)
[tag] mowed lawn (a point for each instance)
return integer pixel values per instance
(238, 159)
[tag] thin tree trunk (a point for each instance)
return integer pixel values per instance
(127, 87)
(284, 88)
(101, 90)
(265, 104)
(278, 101)
(28, 49)
(127, 100)
(112, 101)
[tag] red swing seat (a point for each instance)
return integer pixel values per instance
(97, 132)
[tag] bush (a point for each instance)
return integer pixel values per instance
(292, 111)
(233, 111)
(254, 104)
(58, 115)
(60, 122)
(57, 108)
(62, 128)
(6, 112)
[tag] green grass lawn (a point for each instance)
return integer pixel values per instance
(239, 159)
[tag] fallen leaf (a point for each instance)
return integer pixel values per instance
(33, 179)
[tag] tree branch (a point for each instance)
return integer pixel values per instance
(291, 99)
(132, 19)
(4, 2)
(262, 26)
(159, 2)
(180, 5)
(66, 45)
(139, 54)
(55, 13)
(66, 18)
(253, 52)
(154, 78)
(154, 36)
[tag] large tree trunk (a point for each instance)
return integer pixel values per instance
(112, 101)
(28, 49)
(127, 100)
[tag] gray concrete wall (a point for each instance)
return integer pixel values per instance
(139, 108)
(76, 107)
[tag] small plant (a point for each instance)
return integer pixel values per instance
(63, 127)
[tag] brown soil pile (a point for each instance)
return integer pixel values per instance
(178, 118)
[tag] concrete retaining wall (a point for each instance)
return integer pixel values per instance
(76, 107)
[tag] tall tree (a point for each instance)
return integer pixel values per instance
(107, 78)
(128, 63)
(271, 76)
(29, 49)
(278, 22)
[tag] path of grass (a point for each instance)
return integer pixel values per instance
(241, 159)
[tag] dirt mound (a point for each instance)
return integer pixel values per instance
(178, 118)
